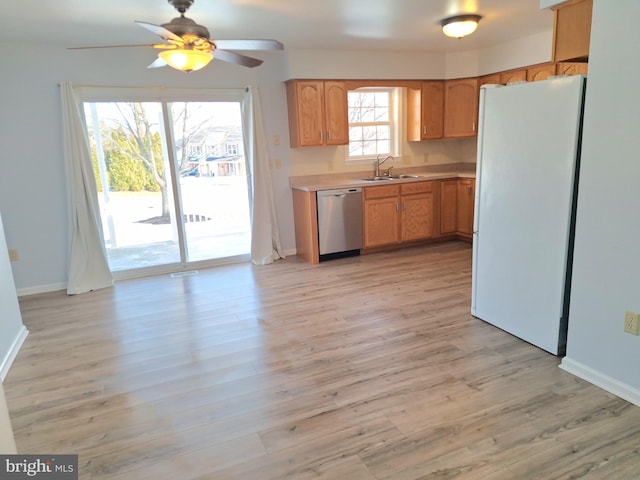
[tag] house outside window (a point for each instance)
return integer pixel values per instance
(373, 123)
(232, 149)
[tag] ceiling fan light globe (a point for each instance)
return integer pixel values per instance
(186, 60)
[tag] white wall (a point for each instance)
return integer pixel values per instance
(607, 249)
(7, 442)
(32, 180)
(12, 331)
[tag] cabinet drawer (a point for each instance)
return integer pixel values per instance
(383, 191)
(416, 187)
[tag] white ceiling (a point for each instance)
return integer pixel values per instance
(392, 25)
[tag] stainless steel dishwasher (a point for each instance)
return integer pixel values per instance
(339, 222)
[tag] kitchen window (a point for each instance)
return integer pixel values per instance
(373, 123)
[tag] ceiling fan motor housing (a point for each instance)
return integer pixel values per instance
(184, 25)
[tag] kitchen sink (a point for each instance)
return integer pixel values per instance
(393, 177)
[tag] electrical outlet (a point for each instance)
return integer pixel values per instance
(632, 323)
(14, 256)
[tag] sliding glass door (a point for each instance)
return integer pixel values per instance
(172, 181)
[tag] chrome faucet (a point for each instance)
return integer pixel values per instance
(380, 162)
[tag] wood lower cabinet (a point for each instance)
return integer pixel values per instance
(460, 108)
(448, 207)
(398, 213)
(381, 214)
(457, 197)
(317, 113)
(416, 211)
(465, 205)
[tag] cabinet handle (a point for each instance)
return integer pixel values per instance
(473, 127)
(424, 130)
(397, 207)
(328, 134)
(321, 136)
(404, 205)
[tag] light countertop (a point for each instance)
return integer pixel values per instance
(313, 183)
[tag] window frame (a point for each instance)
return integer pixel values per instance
(394, 122)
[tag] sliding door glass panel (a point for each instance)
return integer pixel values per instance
(134, 183)
(149, 220)
(213, 190)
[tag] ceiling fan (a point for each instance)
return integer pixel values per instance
(188, 47)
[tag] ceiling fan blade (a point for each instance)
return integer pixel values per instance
(249, 45)
(111, 46)
(159, 62)
(159, 30)
(236, 58)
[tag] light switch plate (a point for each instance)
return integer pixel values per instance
(632, 323)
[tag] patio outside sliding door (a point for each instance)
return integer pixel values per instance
(172, 182)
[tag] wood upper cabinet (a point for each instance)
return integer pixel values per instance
(448, 207)
(465, 204)
(512, 76)
(572, 68)
(572, 30)
(425, 111)
(460, 108)
(541, 72)
(336, 115)
(317, 113)
(491, 79)
(398, 213)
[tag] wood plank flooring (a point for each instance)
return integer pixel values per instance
(357, 369)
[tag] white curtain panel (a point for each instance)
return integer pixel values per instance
(265, 237)
(88, 266)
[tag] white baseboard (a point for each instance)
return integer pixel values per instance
(290, 252)
(52, 287)
(601, 380)
(13, 352)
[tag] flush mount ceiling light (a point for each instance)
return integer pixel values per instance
(460, 26)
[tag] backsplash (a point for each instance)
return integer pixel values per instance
(322, 160)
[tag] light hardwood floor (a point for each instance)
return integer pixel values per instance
(360, 368)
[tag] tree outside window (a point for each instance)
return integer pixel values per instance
(371, 123)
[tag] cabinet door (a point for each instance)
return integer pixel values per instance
(306, 111)
(381, 219)
(432, 110)
(336, 120)
(572, 31)
(572, 68)
(513, 76)
(466, 198)
(493, 78)
(417, 217)
(460, 108)
(541, 72)
(448, 207)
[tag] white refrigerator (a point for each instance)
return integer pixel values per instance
(529, 138)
